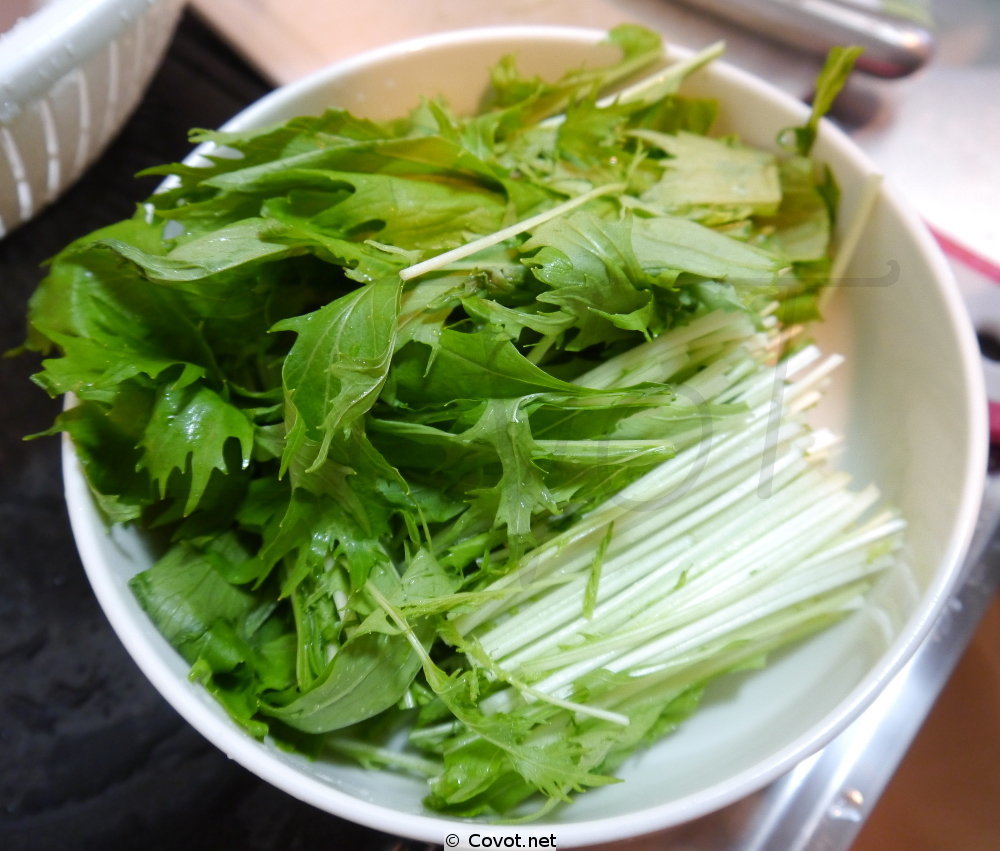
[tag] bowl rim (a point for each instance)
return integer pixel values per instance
(268, 765)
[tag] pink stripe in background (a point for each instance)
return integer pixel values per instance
(991, 271)
(983, 265)
(995, 423)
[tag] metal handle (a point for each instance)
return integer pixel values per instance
(893, 46)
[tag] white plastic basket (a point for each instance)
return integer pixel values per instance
(70, 75)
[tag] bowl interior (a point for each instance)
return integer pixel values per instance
(909, 401)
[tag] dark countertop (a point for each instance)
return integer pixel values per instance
(90, 755)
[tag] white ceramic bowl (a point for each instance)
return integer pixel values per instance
(910, 401)
(70, 74)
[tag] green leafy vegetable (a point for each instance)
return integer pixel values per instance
(837, 68)
(454, 425)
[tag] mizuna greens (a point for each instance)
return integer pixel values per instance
(455, 433)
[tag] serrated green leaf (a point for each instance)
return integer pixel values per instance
(338, 363)
(187, 435)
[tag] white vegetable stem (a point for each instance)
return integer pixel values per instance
(700, 571)
(440, 261)
(657, 85)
